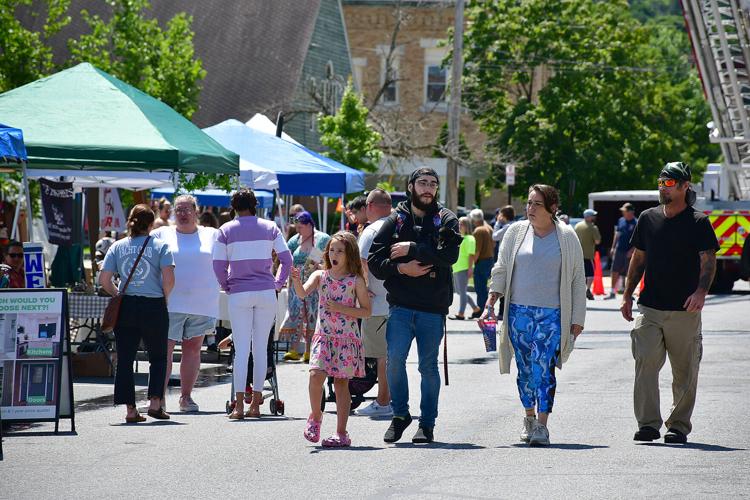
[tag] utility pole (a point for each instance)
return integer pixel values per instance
(454, 111)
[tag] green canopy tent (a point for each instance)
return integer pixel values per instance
(83, 119)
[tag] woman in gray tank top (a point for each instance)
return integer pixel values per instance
(540, 273)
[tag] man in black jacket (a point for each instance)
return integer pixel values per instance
(413, 253)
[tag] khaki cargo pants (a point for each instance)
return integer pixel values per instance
(656, 335)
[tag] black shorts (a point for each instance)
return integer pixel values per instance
(588, 268)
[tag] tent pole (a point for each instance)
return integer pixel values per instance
(343, 211)
(325, 213)
(14, 231)
(320, 215)
(29, 214)
(279, 203)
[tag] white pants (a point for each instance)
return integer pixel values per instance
(252, 315)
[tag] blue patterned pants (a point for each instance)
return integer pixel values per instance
(535, 335)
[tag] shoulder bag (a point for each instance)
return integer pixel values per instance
(112, 311)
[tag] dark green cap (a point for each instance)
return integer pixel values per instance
(676, 170)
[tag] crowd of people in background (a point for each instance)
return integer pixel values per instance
(386, 280)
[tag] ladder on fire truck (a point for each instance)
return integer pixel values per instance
(720, 35)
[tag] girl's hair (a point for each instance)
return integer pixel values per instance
(550, 196)
(244, 200)
(465, 222)
(351, 250)
(163, 201)
(140, 218)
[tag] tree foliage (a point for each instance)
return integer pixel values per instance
(135, 49)
(25, 55)
(619, 99)
(347, 135)
(160, 62)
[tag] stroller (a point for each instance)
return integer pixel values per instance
(358, 386)
(270, 390)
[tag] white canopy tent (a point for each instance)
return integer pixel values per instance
(132, 180)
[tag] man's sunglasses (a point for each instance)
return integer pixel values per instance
(667, 182)
(15, 255)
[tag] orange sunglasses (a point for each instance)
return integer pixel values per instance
(667, 182)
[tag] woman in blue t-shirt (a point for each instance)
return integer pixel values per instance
(143, 313)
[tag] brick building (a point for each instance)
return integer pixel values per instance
(414, 108)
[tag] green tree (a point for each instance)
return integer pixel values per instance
(135, 49)
(160, 62)
(611, 109)
(347, 135)
(25, 55)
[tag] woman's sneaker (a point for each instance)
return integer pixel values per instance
(528, 426)
(375, 409)
(539, 436)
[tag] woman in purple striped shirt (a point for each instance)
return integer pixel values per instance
(242, 264)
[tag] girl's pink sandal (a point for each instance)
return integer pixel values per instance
(337, 441)
(312, 429)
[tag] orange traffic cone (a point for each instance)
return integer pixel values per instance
(339, 206)
(598, 286)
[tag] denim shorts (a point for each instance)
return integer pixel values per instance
(186, 326)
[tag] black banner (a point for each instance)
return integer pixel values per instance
(57, 205)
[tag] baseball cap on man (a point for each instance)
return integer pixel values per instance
(676, 170)
(590, 212)
(627, 207)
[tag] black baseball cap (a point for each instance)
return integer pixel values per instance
(676, 170)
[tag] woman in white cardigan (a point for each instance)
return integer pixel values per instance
(539, 271)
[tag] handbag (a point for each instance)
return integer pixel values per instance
(112, 311)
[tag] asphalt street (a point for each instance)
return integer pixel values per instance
(476, 455)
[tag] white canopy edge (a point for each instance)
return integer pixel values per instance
(133, 180)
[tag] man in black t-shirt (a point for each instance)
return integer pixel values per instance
(676, 247)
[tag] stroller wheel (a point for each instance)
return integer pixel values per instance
(272, 406)
(229, 407)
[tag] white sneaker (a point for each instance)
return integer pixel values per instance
(539, 436)
(376, 410)
(188, 405)
(528, 426)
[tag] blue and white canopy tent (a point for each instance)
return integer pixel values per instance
(355, 179)
(215, 197)
(13, 150)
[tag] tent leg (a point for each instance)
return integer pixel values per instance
(279, 203)
(320, 215)
(92, 212)
(14, 231)
(325, 214)
(343, 211)
(29, 213)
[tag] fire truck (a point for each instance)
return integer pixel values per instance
(720, 36)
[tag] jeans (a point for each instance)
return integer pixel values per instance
(535, 335)
(141, 318)
(482, 270)
(461, 283)
(404, 325)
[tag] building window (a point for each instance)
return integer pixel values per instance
(390, 93)
(435, 75)
(358, 66)
(435, 84)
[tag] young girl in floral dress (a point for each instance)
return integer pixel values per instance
(336, 345)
